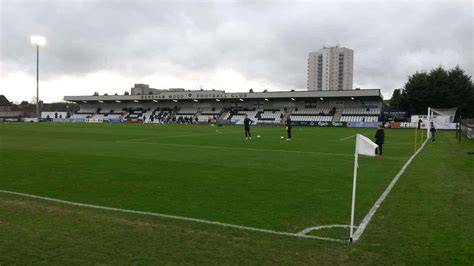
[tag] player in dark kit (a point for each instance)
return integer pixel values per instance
(247, 123)
(379, 139)
(432, 131)
(288, 127)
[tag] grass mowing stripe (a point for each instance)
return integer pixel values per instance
(175, 217)
(176, 136)
(249, 149)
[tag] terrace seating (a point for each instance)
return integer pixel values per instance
(270, 115)
(205, 118)
(210, 111)
(227, 115)
(205, 113)
(87, 111)
(187, 111)
(161, 116)
(311, 111)
(311, 118)
(359, 119)
(135, 115)
(240, 114)
(81, 115)
(312, 114)
(361, 111)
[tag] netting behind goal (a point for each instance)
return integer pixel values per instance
(467, 128)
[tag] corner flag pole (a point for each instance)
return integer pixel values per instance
(416, 136)
(428, 133)
(354, 182)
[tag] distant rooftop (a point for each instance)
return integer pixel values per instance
(4, 101)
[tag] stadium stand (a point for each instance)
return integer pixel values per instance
(203, 106)
(355, 111)
(312, 114)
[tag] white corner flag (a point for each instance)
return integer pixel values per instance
(364, 146)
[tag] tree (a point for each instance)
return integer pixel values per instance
(462, 91)
(396, 100)
(439, 88)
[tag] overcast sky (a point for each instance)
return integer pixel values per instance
(107, 46)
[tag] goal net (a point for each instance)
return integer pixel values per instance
(467, 128)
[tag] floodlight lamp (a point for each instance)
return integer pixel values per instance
(38, 40)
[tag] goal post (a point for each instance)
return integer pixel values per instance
(423, 125)
(442, 119)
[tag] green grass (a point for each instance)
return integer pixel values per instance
(194, 171)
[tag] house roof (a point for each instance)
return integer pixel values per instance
(4, 101)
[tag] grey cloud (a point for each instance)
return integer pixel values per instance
(261, 40)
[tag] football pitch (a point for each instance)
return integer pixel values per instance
(205, 173)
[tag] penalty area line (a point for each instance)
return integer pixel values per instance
(174, 217)
(351, 136)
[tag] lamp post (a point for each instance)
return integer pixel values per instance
(38, 41)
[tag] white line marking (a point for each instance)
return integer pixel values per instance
(319, 227)
(348, 137)
(382, 197)
(175, 217)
